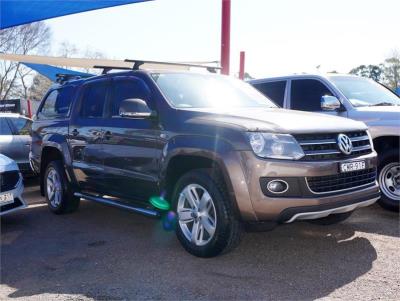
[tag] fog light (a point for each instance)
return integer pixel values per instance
(277, 186)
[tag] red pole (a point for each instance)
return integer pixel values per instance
(225, 36)
(29, 108)
(242, 62)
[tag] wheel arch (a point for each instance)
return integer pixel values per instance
(183, 162)
(54, 147)
(383, 144)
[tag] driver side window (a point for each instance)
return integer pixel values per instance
(128, 89)
(306, 94)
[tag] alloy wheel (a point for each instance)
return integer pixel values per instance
(196, 214)
(53, 186)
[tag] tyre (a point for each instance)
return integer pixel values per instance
(331, 219)
(389, 180)
(59, 196)
(206, 222)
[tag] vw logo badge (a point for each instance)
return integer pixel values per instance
(344, 143)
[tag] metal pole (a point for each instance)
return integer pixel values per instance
(29, 108)
(225, 36)
(242, 63)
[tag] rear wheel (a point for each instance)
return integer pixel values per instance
(59, 196)
(331, 219)
(389, 180)
(207, 225)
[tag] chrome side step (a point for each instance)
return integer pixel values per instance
(148, 212)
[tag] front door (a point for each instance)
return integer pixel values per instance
(130, 170)
(306, 94)
(86, 133)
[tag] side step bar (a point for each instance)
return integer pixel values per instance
(148, 212)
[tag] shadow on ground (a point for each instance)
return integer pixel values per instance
(105, 253)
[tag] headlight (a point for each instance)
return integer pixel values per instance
(276, 146)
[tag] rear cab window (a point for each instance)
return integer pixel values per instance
(273, 90)
(57, 103)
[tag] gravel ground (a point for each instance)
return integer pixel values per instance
(104, 253)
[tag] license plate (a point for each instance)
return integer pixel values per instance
(352, 166)
(6, 198)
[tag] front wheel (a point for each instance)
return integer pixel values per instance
(207, 224)
(389, 181)
(59, 196)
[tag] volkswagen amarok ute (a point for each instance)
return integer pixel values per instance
(213, 148)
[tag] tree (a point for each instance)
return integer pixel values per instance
(31, 38)
(371, 71)
(67, 49)
(40, 85)
(392, 70)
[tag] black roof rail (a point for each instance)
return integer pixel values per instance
(107, 69)
(138, 63)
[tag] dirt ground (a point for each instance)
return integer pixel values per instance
(104, 253)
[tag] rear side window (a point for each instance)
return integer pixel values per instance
(22, 125)
(273, 90)
(94, 99)
(306, 94)
(4, 127)
(57, 103)
(127, 88)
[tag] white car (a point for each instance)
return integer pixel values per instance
(11, 186)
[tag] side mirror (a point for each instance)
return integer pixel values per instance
(135, 108)
(330, 103)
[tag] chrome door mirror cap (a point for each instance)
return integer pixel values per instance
(330, 103)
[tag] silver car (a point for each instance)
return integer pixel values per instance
(352, 97)
(15, 139)
(11, 186)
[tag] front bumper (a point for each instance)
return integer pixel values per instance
(254, 206)
(18, 202)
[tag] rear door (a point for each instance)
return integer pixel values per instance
(129, 145)
(85, 135)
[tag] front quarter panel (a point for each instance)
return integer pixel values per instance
(224, 154)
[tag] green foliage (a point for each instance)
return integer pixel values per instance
(371, 71)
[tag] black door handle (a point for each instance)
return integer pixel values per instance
(107, 135)
(75, 132)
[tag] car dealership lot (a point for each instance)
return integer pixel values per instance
(105, 253)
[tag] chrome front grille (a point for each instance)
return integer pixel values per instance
(324, 146)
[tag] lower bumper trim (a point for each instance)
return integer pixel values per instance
(324, 213)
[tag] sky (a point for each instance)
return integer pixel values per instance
(279, 37)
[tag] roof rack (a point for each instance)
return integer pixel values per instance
(107, 69)
(155, 64)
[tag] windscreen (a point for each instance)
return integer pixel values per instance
(190, 90)
(362, 92)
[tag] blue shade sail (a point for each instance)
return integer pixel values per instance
(51, 72)
(18, 12)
